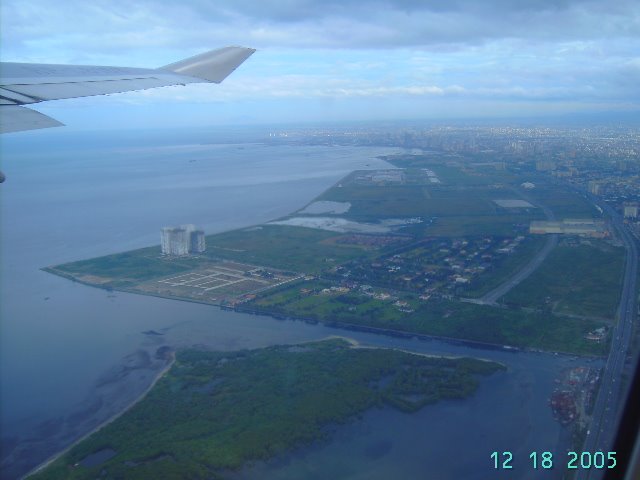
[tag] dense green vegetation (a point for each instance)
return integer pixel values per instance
(481, 323)
(215, 411)
(581, 280)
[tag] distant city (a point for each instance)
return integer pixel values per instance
(603, 160)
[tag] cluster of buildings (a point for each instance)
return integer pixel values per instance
(434, 266)
(536, 143)
(182, 240)
(584, 227)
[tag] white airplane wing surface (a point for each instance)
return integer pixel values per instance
(26, 83)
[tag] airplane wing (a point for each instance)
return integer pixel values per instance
(26, 83)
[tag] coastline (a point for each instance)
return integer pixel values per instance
(353, 343)
(56, 456)
(331, 323)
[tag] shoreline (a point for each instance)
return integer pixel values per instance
(407, 334)
(56, 456)
(353, 343)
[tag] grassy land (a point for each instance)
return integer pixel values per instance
(563, 202)
(452, 174)
(215, 411)
(465, 208)
(580, 280)
(295, 248)
(415, 200)
(125, 269)
(506, 268)
(502, 224)
(444, 318)
(585, 282)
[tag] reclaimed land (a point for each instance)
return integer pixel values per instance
(216, 411)
(583, 280)
(448, 204)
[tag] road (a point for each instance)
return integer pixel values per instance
(528, 269)
(552, 240)
(608, 403)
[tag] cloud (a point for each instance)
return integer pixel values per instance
(562, 51)
(314, 23)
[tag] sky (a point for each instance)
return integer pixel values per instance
(324, 60)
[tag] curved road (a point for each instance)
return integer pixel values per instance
(529, 268)
(552, 240)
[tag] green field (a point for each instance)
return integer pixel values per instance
(393, 201)
(480, 323)
(290, 248)
(216, 411)
(502, 224)
(563, 202)
(451, 174)
(125, 269)
(286, 247)
(580, 280)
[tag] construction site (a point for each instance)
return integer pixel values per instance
(217, 282)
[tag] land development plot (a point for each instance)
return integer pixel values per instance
(197, 279)
(218, 282)
(400, 250)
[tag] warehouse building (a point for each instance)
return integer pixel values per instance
(582, 227)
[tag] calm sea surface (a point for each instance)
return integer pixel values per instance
(72, 356)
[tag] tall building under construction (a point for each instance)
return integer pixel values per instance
(182, 240)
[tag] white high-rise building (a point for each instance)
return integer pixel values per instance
(631, 210)
(174, 241)
(182, 240)
(197, 242)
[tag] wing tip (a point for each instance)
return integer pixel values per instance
(14, 118)
(214, 65)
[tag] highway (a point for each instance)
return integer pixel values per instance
(608, 403)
